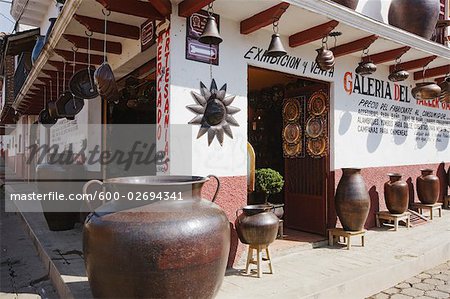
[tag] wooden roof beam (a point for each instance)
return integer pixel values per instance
(355, 46)
(413, 64)
(132, 7)
(68, 55)
(440, 79)
(312, 34)
(113, 28)
(69, 65)
(187, 7)
(433, 72)
(263, 18)
(164, 7)
(81, 42)
(387, 55)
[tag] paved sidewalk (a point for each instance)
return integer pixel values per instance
(22, 273)
(434, 283)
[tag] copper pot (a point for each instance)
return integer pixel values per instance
(352, 200)
(160, 248)
(82, 84)
(445, 90)
(428, 187)
(349, 3)
(366, 68)
(257, 225)
(398, 76)
(45, 119)
(426, 91)
(396, 194)
(106, 83)
(67, 105)
(325, 59)
(416, 16)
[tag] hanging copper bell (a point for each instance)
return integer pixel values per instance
(276, 48)
(210, 35)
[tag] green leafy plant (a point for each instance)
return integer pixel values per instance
(268, 181)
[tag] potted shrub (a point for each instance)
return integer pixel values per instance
(268, 182)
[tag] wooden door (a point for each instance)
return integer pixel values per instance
(306, 175)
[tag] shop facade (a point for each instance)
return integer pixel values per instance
(343, 119)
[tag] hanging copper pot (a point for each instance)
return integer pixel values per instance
(82, 84)
(67, 105)
(416, 16)
(349, 3)
(366, 68)
(445, 90)
(426, 91)
(325, 59)
(106, 83)
(45, 119)
(398, 76)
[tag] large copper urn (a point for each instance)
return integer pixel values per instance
(352, 200)
(427, 186)
(416, 16)
(257, 225)
(396, 194)
(349, 3)
(174, 247)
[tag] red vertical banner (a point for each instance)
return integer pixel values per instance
(163, 97)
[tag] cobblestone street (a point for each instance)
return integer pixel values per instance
(434, 283)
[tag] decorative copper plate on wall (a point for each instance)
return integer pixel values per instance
(314, 127)
(317, 147)
(292, 133)
(291, 110)
(292, 150)
(317, 103)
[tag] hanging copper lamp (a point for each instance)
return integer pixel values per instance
(276, 48)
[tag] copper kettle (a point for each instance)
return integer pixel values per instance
(325, 59)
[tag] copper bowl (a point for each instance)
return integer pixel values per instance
(426, 91)
(45, 119)
(82, 84)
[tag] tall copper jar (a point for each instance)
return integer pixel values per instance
(349, 3)
(160, 248)
(396, 194)
(352, 200)
(257, 225)
(427, 187)
(416, 16)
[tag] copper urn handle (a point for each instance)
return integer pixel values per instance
(218, 186)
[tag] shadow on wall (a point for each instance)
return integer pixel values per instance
(400, 139)
(422, 135)
(442, 175)
(345, 122)
(374, 206)
(410, 183)
(442, 140)
(375, 135)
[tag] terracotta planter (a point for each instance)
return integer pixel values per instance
(349, 3)
(396, 194)
(352, 200)
(416, 16)
(156, 249)
(257, 225)
(427, 187)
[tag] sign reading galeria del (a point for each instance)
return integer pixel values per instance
(385, 123)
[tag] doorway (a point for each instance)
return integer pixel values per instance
(288, 127)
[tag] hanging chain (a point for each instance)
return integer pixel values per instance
(57, 83)
(51, 90)
(210, 9)
(74, 50)
(275, 25)
(64, 75)
(325, 42)
(106, 14)
(89, 34)
(210, 62)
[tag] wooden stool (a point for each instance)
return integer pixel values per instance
(340, 232)
(259, 258)
(447, 202)
(430, 207)
(396, 218)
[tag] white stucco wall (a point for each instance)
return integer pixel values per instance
(348, 146)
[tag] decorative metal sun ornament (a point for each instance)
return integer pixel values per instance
(214, 113)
